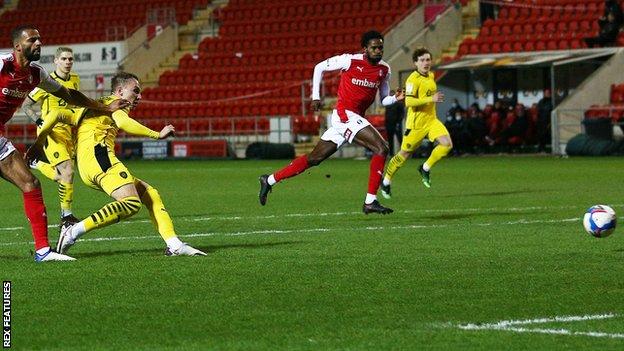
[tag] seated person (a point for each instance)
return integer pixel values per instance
(609, 30)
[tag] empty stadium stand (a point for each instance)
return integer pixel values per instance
(67, 22)
(264, 53)
(529, 25)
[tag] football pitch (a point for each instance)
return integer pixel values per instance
(492, 257)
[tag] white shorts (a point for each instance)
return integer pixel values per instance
(6, 148)
(340, 132)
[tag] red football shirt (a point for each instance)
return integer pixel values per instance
(359, 82)
(16, 83)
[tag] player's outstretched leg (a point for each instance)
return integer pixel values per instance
(294, 168)
(111, 213)
(162, 221)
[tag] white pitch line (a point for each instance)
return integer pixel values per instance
(510, 325)
(504, 324)
(323, 230)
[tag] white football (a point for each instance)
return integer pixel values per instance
(600, 221)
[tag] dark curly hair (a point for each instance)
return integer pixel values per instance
(370, 35)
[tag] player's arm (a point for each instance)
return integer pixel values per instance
(76, 98)
(384, 90)
(334, 63)
(29, 110)
(131, 126)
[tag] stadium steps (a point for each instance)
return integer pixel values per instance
(470, 21)
(202, 25)
(189, 36)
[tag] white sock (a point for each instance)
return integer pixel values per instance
(386, 181)
(77, 230)
(174, 243)
(43, 250)
(271, 180)
(65, 213)
(426, 167)
(370, 198)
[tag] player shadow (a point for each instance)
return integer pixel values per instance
(451, 216)
(213, 248)
(498, 193)
(206, 248)
(5, 257)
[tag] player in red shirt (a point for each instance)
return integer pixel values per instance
(362, 76)
(18, 76)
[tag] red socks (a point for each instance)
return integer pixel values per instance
(297, 166)
(376, 172)
(36, 214)
(300, 164)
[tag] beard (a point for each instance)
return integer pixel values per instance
(32, 55)
(373, 60)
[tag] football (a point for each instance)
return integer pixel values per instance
(600, 221)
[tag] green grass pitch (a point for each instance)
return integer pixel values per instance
(495, 239)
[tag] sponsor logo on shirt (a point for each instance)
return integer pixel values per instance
(364, 83)
(14, 93)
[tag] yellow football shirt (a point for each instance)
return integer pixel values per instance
(51, 102)
(96, 128)
(419, 91)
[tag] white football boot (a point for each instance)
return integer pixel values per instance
(65, 240)
(184, 250)
(52, 256)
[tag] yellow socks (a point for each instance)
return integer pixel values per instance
(113, 213)
(66, 195)
(395, 163)
(160, 217)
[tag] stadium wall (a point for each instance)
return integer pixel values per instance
(596, 89)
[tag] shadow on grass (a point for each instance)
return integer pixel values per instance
(450, 216)
(4, 257)
(207, 249)
(499, 193)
